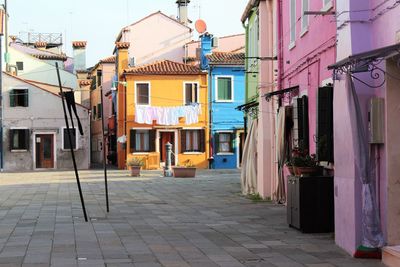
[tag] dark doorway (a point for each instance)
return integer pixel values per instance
(44, 151)
(166, 137)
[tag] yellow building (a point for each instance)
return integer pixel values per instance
(159, 103)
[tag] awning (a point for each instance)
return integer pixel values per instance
(366, 57)
(281, 92)
(247, 106)
(366, 62)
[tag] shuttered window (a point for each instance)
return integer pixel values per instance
(300, 123)
(304, 18)
(191, 93)
(224, 89)
(19, 98)
(325, 124)
(20, 65)
(142, 141)
(99, 111)
(74, 138)
(292, 25)
(19, 139)
(94, 112)
(143, 94)
(193, 140)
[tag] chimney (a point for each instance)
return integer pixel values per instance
(79, 48)
(206, 49)
(122, 56)
(183, 11)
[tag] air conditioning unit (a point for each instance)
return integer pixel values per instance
(214, 42)
(132, 62)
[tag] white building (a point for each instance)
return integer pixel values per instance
(34, 132)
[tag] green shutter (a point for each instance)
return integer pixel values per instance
(233, 137)
(152, 140)
(132, 140)
(216, 143)
(26, 97)
(27, 135)
(11, 137)
(224, 89)
(202, 141)
(12, 98)
(183, 141)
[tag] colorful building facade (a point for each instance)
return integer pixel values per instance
(162, 102)
(226, 92)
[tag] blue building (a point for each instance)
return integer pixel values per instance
(226, 92)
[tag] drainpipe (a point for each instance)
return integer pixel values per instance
(210, 95)
(1, 110)
(280, 45)
(245, 80)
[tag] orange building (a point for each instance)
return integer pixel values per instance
(162, 102)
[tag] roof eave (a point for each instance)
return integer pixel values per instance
(249, 7)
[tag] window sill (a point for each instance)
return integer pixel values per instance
(143, 105)
(141, 153)
(66, 150)
(303, 31)
(327, 7)
(292, 45)
(192, 153)
(224, 101)
(225, 154)
(18, 150)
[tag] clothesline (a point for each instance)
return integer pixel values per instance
(167, 115)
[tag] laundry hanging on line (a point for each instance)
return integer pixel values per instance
(167, 115)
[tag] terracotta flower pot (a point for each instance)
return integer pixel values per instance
(307, 170)
(183, 172)
(135, 170)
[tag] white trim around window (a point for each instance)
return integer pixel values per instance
(292, 23)
(19, 128)
(305, 6)
(326, 5)
(76, 139)
(184, 91)
(232, 88)
(230, 132)
(135, 96)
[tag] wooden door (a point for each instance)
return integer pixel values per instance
(44, 151)
(166, 137)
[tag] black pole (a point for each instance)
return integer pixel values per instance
(70, 144)
(104, 150)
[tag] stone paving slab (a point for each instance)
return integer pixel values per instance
(153, 222)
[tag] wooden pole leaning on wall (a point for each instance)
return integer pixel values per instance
(104, 150)
(70, 144)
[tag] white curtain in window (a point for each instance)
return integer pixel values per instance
(224, 142)
(196, 140)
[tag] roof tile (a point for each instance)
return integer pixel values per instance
(165, 67)
(122, 45)
(226, 58)
(79, 44)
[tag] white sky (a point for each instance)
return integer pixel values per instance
(99, 21)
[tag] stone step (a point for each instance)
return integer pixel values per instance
(391, 256)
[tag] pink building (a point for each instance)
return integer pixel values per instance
(367, 211)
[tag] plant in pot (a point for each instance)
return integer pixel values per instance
(187, 170)
(303, 163)
(289, 166)
(135, 164)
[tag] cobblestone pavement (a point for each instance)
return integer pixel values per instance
(153, 221)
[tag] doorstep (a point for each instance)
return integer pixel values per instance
(391, 256)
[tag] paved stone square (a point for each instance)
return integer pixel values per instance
(153, 221)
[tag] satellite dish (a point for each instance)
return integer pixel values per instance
(201, 26)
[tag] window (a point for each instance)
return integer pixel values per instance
(143, 94)
(93, 84)
(224, 89)
(254, 38)
(325, 124)
(19, 98)
(142, 140)
(191, 93)
(192, 140)
(74, 138)
(224, 142)
(99, 111)
(19, 139)
(99, 76)
(94, 113)
(304, 18)
(292, 22)
(20, 65)
(300, 123)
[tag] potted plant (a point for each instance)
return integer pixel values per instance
(188, 170)
(303, 163)
(135, 164)
(289, 166)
